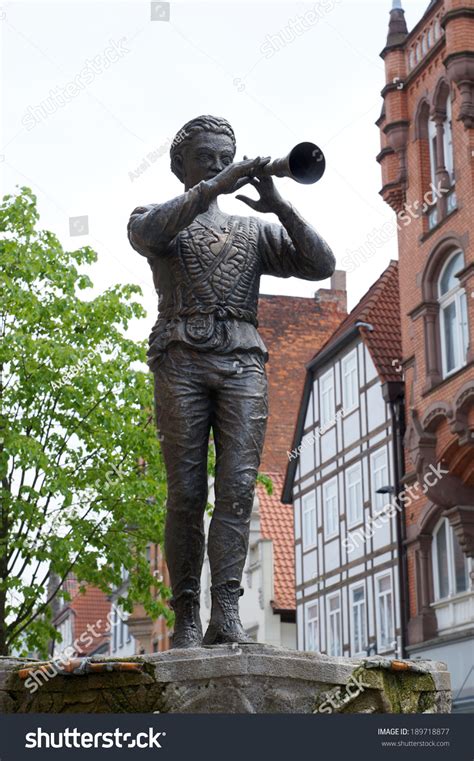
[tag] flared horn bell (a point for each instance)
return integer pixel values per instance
(305, 164)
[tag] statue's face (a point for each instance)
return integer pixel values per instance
(206, 155)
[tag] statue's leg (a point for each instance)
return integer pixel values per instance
(183, 413)
(239, 422)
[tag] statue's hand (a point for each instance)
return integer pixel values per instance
(237, 175)
(270, 199)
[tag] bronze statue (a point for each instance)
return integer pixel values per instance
(209, 360)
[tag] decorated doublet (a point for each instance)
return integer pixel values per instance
(207, 275)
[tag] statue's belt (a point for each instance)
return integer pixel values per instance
(200, 321)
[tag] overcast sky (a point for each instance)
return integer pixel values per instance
(94, 92)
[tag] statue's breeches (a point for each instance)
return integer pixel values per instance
(196, 392)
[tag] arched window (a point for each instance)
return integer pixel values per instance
(450, 565)
(454, 332)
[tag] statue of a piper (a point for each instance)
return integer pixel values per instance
(208, 359)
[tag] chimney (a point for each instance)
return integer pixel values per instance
(338, 280)
(336, 292)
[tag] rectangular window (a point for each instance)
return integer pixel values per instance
(121, 630)
(312, 632)
(460, 566)
(464, 327)
(450, 335)
(65, 630)
(442, 558)
(384, 611)
(354, 499)
(379, 474)
(448, 141)
(331, 508)
(309, 520)
(350, 385)
(328, 409)
(358, 620)
(114, 628)
(432, 145)
(334, 625)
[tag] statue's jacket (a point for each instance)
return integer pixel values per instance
(207, 276)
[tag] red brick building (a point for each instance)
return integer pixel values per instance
(84, 621)
(427, 141)
(292, 329)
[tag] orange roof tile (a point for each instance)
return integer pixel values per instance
(380, 307)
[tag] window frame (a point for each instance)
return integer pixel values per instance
(381, 648)
(311, 621)
(450, 536)
(335, 532)
(65, 629)
(432, 138)
(377, 498)
(363, 617)
(448, 144)
(359, 518)
(355, 391)
(456, 296)
(114, 628)
(310, 496)
(121, 631)
(330, 614)
(327, 422)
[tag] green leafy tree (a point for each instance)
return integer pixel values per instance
(82, 476)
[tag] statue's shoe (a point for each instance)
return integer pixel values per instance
(187, 627)
(225, 624)
(222, 634)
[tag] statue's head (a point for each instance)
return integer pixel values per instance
(201, 149)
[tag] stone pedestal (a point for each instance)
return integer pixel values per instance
(226, 679)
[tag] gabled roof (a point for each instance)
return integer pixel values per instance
(276, 523)
(380, 308)
(376, 320)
